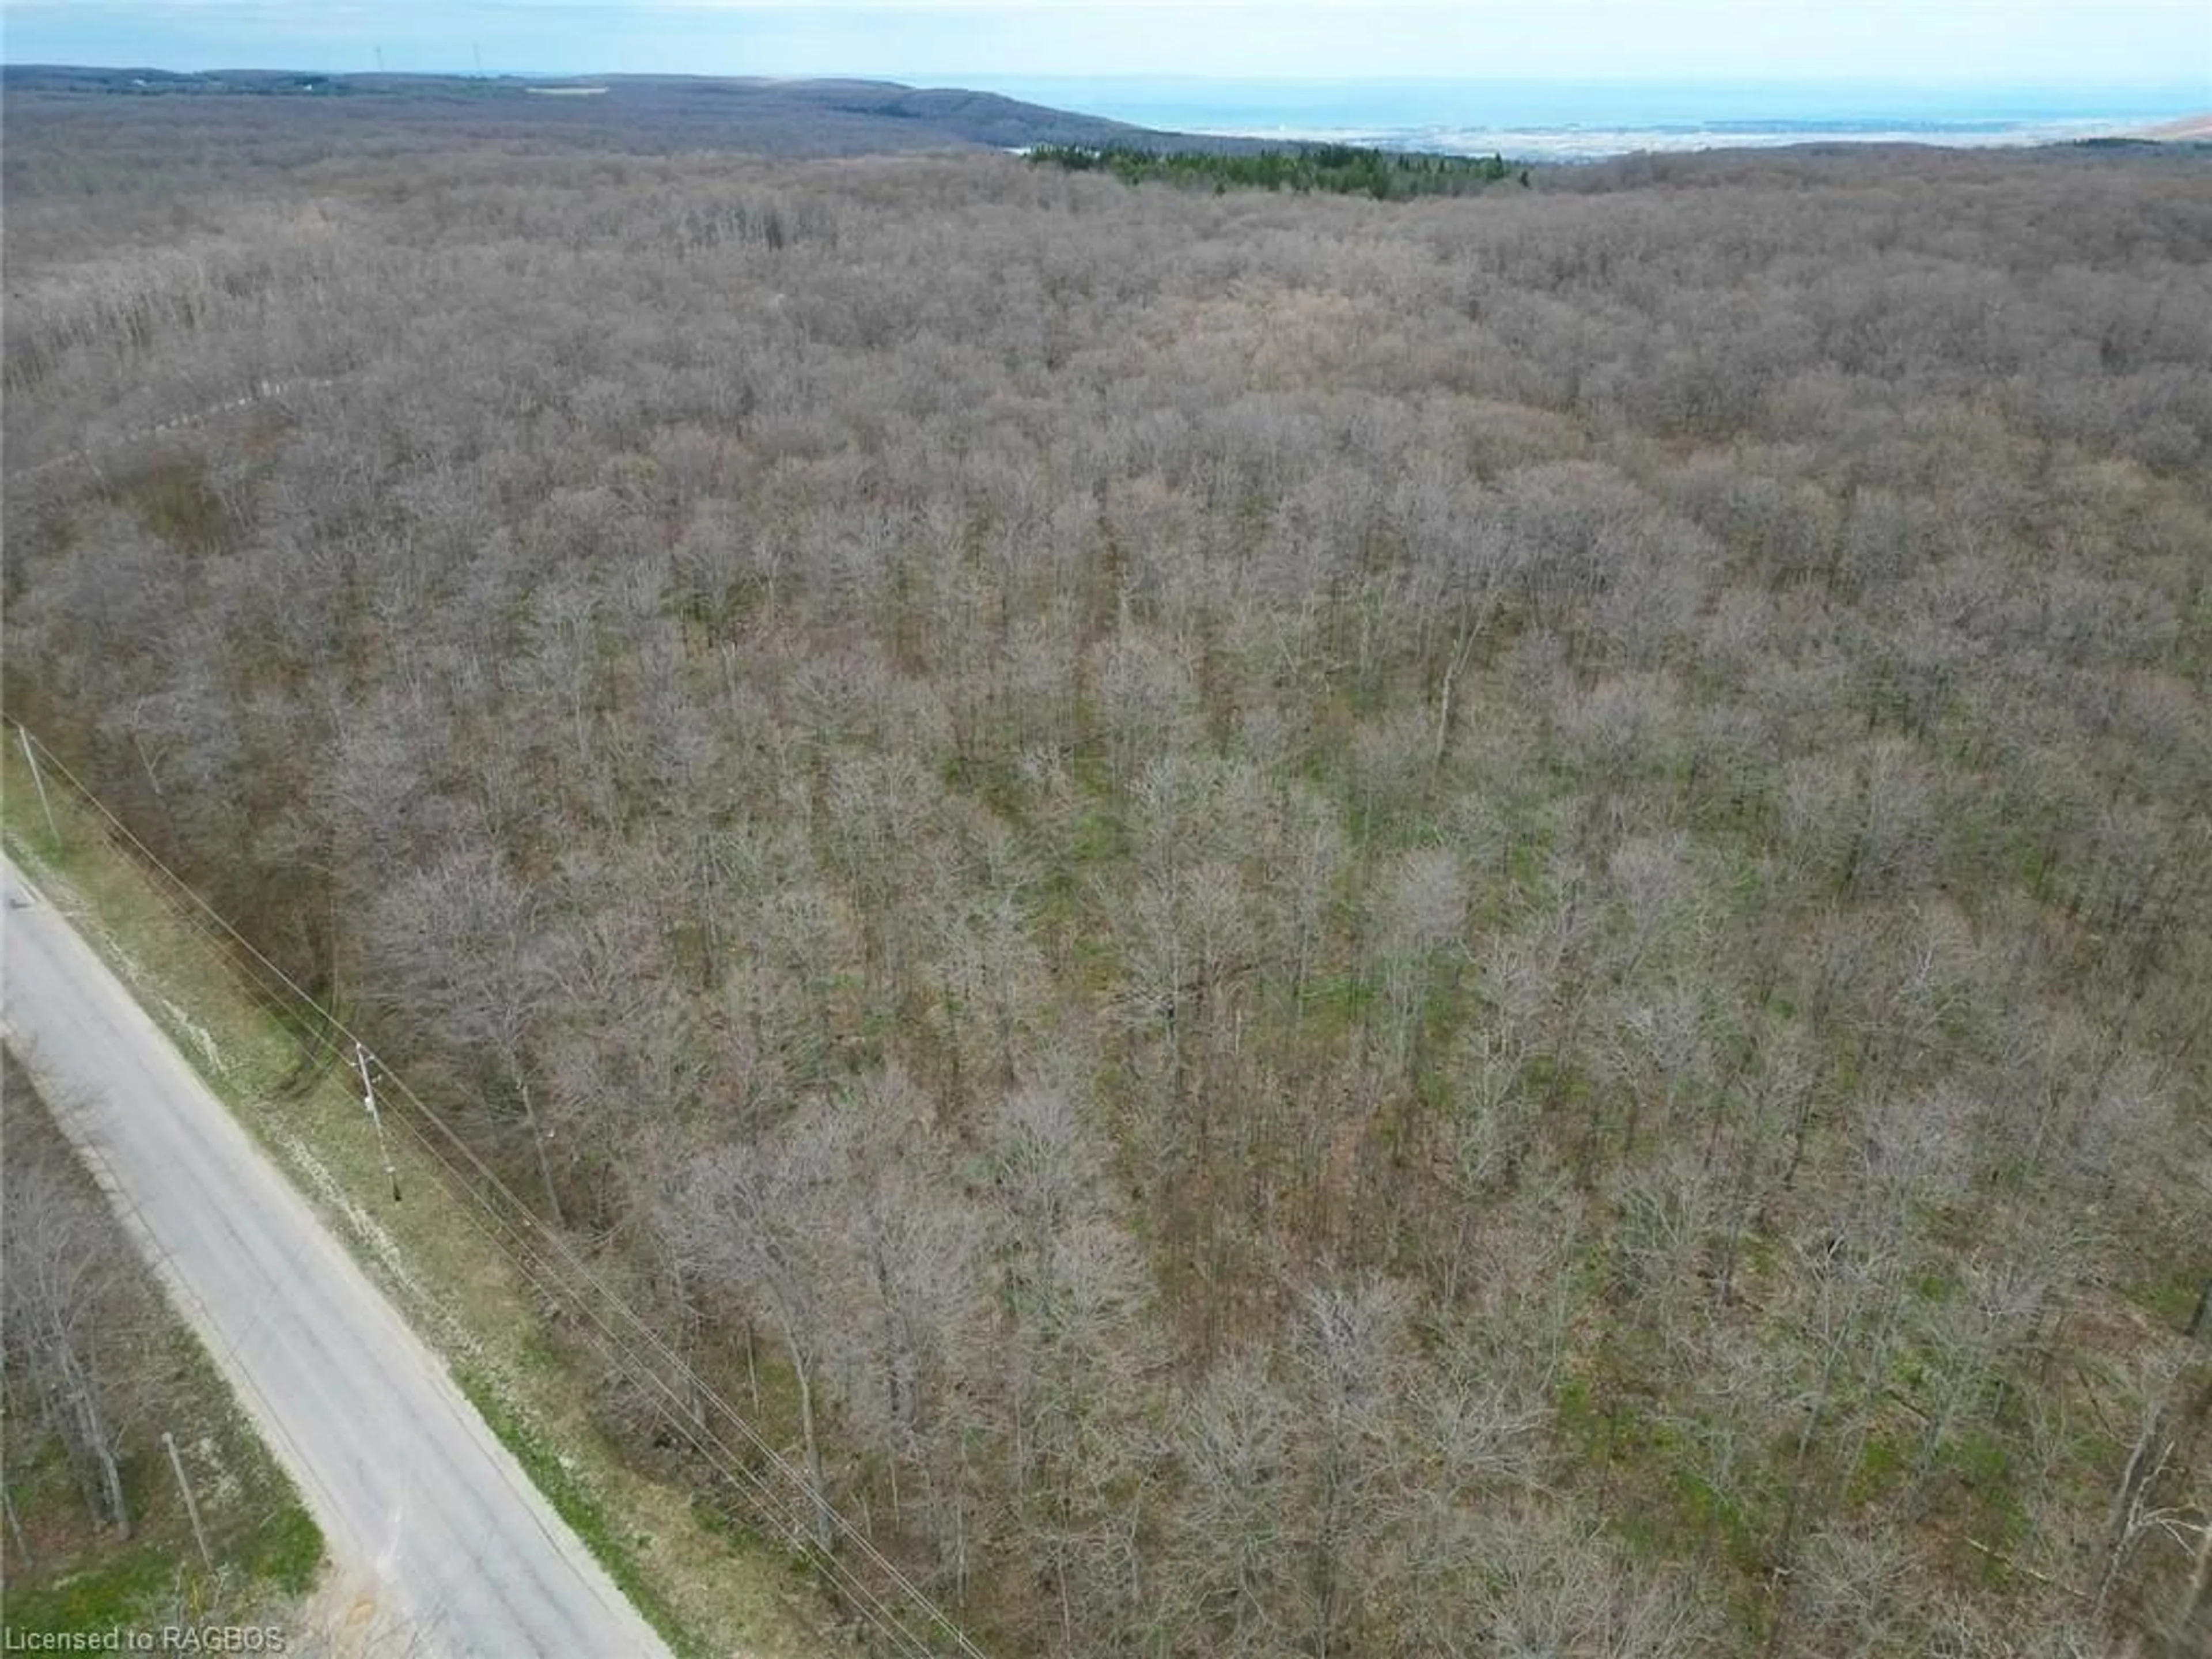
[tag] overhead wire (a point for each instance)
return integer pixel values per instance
(784, 1497)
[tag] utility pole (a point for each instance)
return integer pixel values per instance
(368, 1101)
(192, 1505)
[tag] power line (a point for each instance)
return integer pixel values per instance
(546, 1261)
(524, 1243)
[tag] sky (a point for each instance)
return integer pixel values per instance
(2141, 45)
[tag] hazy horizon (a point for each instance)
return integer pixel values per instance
(2154, 47)
(1532, 120)
(2024, 97)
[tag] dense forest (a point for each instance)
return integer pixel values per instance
(1342, 169)
(1304, 926)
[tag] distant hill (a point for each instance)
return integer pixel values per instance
(825, 117)
(2196, 128)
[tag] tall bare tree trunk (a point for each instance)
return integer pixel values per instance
(818, 1495)
(538, 1146)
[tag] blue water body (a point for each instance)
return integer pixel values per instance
(1563, 122)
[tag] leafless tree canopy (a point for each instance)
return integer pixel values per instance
(1306, 928)
(78, 1314)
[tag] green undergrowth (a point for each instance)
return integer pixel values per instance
(706, 1589)
(577, 1502)
(264, 1546)
(66, 1575)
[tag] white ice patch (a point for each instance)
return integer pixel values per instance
(191, 1028)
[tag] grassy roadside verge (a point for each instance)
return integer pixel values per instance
(707, 1593)
(65, 1573)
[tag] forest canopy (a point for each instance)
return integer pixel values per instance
(1341, 169)
(1306, 926)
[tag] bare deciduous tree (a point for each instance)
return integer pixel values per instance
(76, 1313)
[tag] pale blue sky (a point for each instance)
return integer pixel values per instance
(2164, 44)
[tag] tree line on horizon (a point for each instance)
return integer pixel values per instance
(1300, 928)
(1339, 169)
